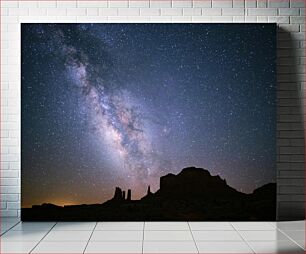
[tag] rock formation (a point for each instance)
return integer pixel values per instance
(149, 191)
(118, 194)
(196, 183)
(193, 194)
(129, 195)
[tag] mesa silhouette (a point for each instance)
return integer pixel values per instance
(193, 194)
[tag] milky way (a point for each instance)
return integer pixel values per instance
(106, 105)
(116, 119)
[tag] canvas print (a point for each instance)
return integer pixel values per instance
(156, 122)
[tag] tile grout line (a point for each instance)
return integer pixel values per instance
(143, 232)
(273, 225)
(43, 238)
(290, 238)
(90, 236)
(10, 228)
(193, 237)
(247, 243)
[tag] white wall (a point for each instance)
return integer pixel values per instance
(289, 14)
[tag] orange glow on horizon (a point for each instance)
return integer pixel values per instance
(61, 202)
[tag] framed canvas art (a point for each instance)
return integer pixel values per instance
(157, 122)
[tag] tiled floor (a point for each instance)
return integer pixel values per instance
(152, 237)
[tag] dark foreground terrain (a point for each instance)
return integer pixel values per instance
(193, 194)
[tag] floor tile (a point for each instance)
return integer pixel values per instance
(273, 235)
(63, 226)
(252, 225)
(211, 226)
(169, 247)
(3, 230)
(216, 236)
(33, 226)
(223, 247)
(276, 247)
(9, 224)
(301, 243)
(69, 236)
(98, 236)
(60, 247)
(167, 235)
(297, 235)
(17, 247)
(273, 224)
(23, 236)
(5, 226)
(291, 225)
(114, 247)
(119, 226)
(166, 226)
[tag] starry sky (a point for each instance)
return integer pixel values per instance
(106, 105)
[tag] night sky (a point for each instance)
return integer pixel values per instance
(106, 105)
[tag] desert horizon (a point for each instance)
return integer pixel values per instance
(68, 203)
(193, 193)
